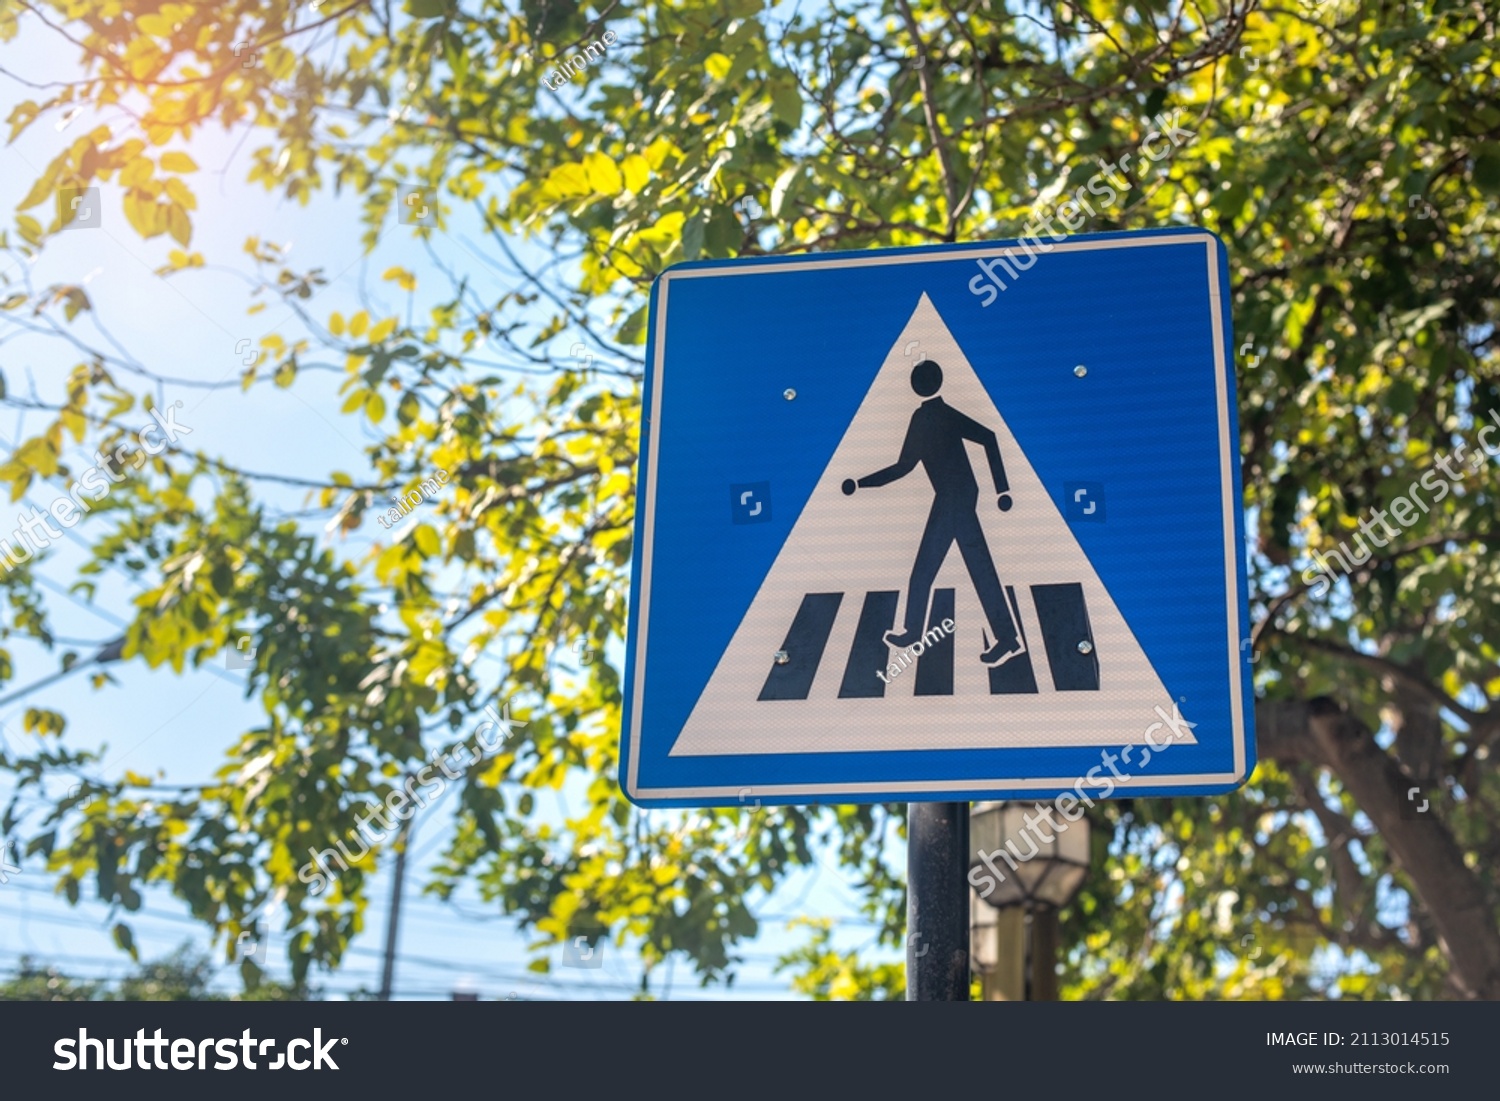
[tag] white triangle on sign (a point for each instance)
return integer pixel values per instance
(867, 542)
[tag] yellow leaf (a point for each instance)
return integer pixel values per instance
(426, 540)
(717, 66)
(336, 323)
(359, 323)
(137, 172)
(179, 225)
(637, 170)
(39, 191)
(658, 152)
(74, 422)
(668, 228)
(383, 330)
(181, 193)
(145, 215)
(178, 162)
(566, 181)
(625, 265)
(406, 279)
(602, 174)
(279, 61)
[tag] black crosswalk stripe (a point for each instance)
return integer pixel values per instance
(869, 653)
(1016, 677)
(792, 679)
(935, 666)
(1061, 613)
(1065, 627)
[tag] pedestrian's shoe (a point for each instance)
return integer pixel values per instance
(903, 640)
(1002, 652)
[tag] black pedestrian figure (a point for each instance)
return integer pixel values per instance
(935, 439)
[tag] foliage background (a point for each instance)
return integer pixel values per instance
(1348, 152)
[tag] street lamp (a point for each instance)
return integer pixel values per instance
(1036, 861)
(1043, 858)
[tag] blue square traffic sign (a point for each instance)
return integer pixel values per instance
(937, 609)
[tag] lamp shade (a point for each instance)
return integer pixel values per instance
(984, 945)
(1033, 855)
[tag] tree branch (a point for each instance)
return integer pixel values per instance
(1478, 720)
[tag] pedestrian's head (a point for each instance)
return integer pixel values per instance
(926, 378)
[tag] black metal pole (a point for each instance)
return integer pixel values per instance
(937, 902)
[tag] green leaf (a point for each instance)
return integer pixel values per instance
(723, 234)
(786, 104)
(1487, 167)
(633, 330)
(692, 238)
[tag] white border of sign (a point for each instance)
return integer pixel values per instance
(1228, 453)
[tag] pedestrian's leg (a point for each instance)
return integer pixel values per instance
(981, 568)
(937, 537)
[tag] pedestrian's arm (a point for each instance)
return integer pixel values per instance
(899, 469)
(973, 430)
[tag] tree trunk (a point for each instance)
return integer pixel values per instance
(1321, 733)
